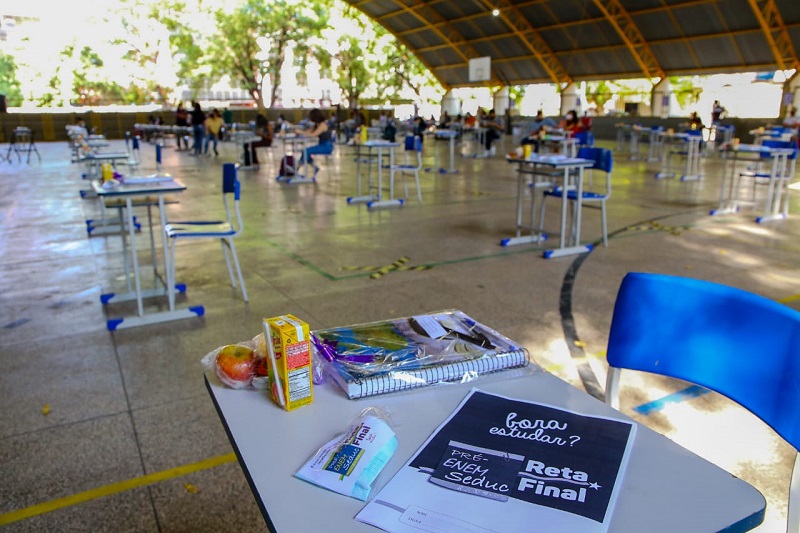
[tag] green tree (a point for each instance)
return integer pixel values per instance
(88, 87)
(395, 69)
(9, 84)
(251, 42)
(351, 72)
(685, 90)
(147, 39)
(599, 93)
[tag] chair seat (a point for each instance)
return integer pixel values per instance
(572, 194)
(762, 175)
(405, 167)
(199, 229)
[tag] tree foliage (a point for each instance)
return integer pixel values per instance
(9, 84)
(251, 42)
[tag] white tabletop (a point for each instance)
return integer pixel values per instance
(139, 186)
(665, 488)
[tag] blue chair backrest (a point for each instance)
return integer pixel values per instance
(230, 181)
(413, 143)
(603, 158)
(585, 138)
(737, 343)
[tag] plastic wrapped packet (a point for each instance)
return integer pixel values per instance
(245, 365)
(350, 462)
(238, 366)
(409, 352)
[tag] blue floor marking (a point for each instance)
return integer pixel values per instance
(657, 405)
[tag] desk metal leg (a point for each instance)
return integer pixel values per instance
(392, 201)
(772, 202)
(575, 233)
(728, 191)
(536, 236)
(360, 197)
(143, 319)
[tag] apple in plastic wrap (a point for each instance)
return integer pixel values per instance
(235, 365)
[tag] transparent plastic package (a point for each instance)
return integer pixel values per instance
(350, 462)
(244, 365)
(409, 352)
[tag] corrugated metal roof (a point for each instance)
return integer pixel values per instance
(535, 41)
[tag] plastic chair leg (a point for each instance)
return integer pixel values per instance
(612, 387)
(225, 245)
(604, 222)
(238, 270)
(793, 521)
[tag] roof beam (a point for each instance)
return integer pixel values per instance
(769, 17)
(531, 39)
(630, 34)
(404, 41)
(430, 18)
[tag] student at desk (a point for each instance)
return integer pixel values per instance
(495, 126)
(572, 124)
(263, 130)
(539, 127)
(322, 132)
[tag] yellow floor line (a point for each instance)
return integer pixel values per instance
(789, 299)
(107, 490)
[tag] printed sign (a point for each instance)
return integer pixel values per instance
(503, 464)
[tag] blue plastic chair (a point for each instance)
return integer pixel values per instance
(413, 144)
(585, 138)
(741, 345)
(224, 230)
(603, 161)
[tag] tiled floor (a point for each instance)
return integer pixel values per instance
(88, 410)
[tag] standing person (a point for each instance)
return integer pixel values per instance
(263, 130)
(182, 121)
(213, 129)
(323, 133)
(716, 113)
(198, 127)
(227, 117)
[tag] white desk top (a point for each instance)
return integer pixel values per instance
(140, 187)
(553, 160)
(666, 488)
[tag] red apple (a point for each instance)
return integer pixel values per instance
(235, 365)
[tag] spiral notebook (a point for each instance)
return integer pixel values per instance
(405, 353)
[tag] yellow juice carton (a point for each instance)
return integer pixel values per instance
(289, 352)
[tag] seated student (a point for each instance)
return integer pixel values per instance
(390, 131)
(695, 122)
(791, 121)
(495, 127)
(319, 129)
(539, 127)
(469, 121)
(264, 130)
(571, 124)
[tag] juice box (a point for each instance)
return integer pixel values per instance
(290, 377)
